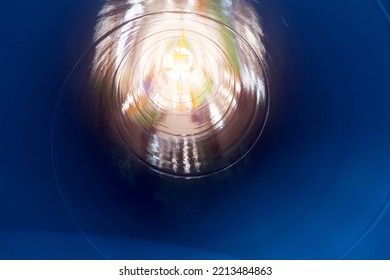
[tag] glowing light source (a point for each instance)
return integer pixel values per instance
(179, 61)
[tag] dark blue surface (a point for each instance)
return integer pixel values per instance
(315, 187)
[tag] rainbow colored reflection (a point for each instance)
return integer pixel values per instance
(182, 83)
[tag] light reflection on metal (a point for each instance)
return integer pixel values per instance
(182, 83)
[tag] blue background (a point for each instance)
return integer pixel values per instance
(316, 186)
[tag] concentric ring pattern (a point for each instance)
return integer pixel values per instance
(181, 84)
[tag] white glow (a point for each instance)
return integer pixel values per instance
(178, 63)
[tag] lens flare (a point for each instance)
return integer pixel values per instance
(181, 85)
